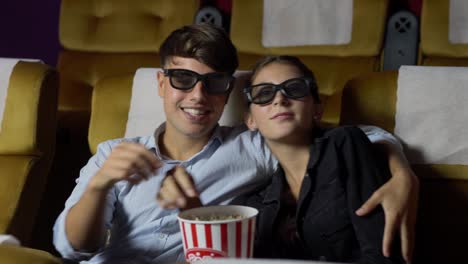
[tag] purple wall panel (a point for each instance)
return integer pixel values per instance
(29, 29)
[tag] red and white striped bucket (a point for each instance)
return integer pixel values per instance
(232, 238)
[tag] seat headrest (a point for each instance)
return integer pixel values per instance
(305, 22)
(122, 26)
(444, 31)
(6, 68)
(431, 114)
(368, 27)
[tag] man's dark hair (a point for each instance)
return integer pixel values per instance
(205, 43)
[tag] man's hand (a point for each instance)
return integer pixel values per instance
(399, 199)
(128, 161)
(84, 224)
(178, 191)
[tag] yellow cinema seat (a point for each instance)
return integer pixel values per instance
(443, 216)
(105, 38)
(109, 120)
(435, 47)
(22, 255)
(27, 143)
(333, 65)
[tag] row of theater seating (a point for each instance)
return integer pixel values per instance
(100, 40)
(367, 99)
(102, 50)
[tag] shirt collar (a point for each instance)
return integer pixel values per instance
(153, 145)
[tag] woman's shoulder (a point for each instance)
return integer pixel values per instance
(343, 133)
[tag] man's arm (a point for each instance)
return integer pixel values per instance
(398, 197)
(85, 223)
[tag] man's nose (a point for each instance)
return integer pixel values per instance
(198, 92)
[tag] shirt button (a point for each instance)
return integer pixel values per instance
(162, 236)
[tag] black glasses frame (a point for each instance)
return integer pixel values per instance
(204, 78)
(280, 87)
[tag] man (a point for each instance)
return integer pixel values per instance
(117, 189)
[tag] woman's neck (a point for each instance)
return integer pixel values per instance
(294, 160)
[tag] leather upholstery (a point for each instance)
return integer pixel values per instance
(435, 47)
(106, 38)
(435, 32)
(27, 143)
(121, 25)
(19, 255)
(109, 120)
(80, 71)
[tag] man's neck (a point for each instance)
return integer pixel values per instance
(179, 147)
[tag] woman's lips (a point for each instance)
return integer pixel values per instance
(282, 116)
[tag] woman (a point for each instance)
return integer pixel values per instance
(308, 209)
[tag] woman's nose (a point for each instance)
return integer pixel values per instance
(280, 99)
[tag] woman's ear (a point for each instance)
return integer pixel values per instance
(161, 85)
(318, 112)
(249, 121)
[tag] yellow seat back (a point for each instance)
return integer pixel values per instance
(333, 65)
(27, 144)
(435, 47)
(106, 38)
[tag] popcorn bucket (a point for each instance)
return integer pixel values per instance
(218, 231)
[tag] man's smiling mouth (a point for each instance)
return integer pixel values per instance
(195, 111)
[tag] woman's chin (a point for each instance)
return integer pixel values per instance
(288, 135)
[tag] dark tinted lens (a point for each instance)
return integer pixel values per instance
(218, 83)
(263, 93)
(296, 88)
(183, 79)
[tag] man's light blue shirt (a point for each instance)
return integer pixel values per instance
(233, 162)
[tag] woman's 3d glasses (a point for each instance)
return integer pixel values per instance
(296, 88)
(214, 82)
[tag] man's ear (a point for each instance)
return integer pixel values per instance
(161, 84)
(249, 121)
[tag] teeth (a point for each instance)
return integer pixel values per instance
(195, 111)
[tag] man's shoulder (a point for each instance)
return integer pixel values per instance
(228, 133)
(112, 143)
